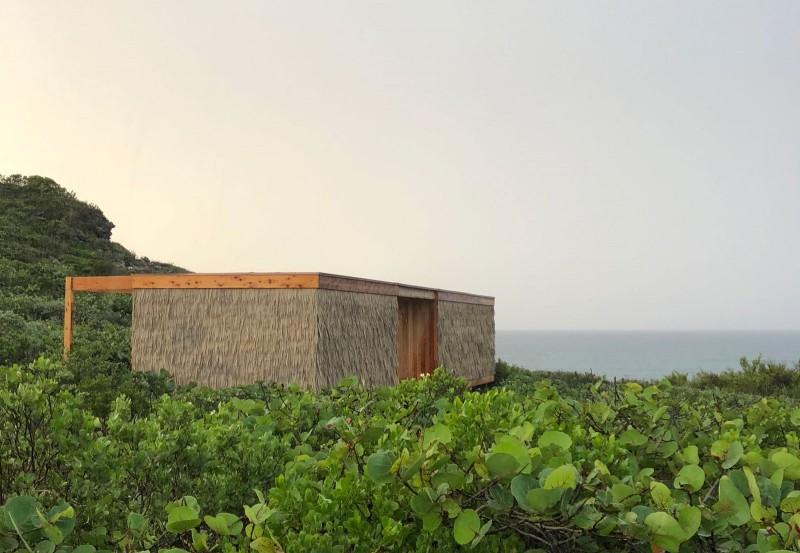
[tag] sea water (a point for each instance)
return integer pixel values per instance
(644, 354)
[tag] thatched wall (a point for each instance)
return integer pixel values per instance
(466, 338)
(357, 335)
(226, 337)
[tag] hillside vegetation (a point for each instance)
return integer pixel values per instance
(97, 458)
(47, 234)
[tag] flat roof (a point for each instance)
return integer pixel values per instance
(323, 281)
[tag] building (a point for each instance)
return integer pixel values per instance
(314, 329)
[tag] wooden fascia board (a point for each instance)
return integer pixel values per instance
(109, 284)
(324, 281)
(217, 281)
(357, 285)
(460, 297)
(365, 286)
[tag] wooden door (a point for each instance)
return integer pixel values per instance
(416, 337)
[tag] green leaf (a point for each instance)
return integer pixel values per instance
(191, 502)
(432, 521)
(516, 448)
(769, 490)
(84, 549)
(689, 518)
(217, 524)
(45, 546)
(466, 526)
(523, 432)
(662, 497)
(410, 470)
(691, 477)
(732, 505)
(136, 523)
(7, 543)
(735, 452)
(789, 463)
(451, 475)
(200, 541)
(632, 437)
(481, 533)
(501, 464)
(258, 513)
(620, 493)
(668, 449)
(555, 438)
(665, 531)
(641, 512)
(520, 486)
(379, 465)
(421, 503)
(690, 455)
(791, 503)
(438, 433)
(542, 500)
(564, 476)
(59, 522)
(182, 518)
(20, 514)
(53, 533)
(264, 545)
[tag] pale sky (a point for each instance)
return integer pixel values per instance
(593, 165)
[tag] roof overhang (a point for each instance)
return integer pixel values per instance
(126, 284)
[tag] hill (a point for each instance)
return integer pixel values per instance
(46, 234)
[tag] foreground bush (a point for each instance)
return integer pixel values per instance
(425, 466)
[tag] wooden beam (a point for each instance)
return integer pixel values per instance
(481, 381)
(213, 281)
(107, 284)
(68, 303)
(358, 285)
(459, 297)
(126, 284)
(415, 292)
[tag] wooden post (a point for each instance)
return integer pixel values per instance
(68, 302)
(436, 362)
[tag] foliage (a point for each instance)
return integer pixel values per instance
(424, 466)
(47, 234)
(758, 377)
(570, 383)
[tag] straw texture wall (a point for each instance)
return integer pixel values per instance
(466, 338)
(226, 337)
(357, 335)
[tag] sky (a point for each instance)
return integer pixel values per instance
(592, 165)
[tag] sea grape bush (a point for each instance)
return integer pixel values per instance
(425, 466)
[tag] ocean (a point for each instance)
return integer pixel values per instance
(643, 354)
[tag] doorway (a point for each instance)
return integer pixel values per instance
(417, 337)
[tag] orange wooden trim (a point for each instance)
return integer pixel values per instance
(358, 285)
(459, 297)
(126, 284)
(244, 280)
(68, 309)
(481, 381)
(111, 284)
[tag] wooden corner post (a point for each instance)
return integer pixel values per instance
(68, 303)
(436, 361)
